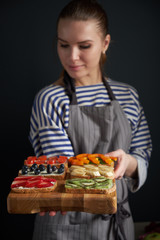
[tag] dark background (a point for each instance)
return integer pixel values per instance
(29, 62)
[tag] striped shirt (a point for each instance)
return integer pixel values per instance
(50, 117)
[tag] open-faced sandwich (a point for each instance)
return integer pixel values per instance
(98, 185)
(91, 166)
(50, 171)
(28, 184)
(43, 160)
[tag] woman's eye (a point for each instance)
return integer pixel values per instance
(64, 45)
(85, 46)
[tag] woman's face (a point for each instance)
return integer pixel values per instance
(80, 45)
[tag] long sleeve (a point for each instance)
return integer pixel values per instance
(141, 146)
(47, 124)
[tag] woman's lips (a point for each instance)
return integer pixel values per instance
(75, 67)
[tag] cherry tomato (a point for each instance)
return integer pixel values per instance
(42, 158)
(30, 161)
(51, 161)
(60, 160)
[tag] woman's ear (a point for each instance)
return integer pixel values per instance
(106, 43)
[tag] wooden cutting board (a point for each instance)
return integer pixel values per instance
(59, 200)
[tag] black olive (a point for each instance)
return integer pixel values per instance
(37, 171)
(49, 169)
(41, 167)
(54, 168)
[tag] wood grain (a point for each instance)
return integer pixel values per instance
(28, 203)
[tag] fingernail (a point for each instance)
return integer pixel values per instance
(52, 213)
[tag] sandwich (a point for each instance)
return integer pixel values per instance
(91, 165)
(50, 171)
(30, 184)
(98, 185)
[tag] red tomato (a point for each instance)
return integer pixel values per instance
(51, 158)
(32, 158)
(40, 161)
(43, 158)
(63, 157)
(51, 161)
(30, 161)
(60, 160)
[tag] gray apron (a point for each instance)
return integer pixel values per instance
(93, 130)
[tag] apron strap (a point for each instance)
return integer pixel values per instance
(70, 88)
(71, 92)
(120, 215)
(110, 92)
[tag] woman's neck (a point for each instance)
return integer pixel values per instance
(92, 79)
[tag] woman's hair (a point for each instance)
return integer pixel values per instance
(84, 10)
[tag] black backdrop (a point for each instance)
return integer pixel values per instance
(29, 62)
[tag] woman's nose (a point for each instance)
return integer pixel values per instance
(74, 54)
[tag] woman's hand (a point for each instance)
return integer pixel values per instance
(126, 164)
(51, 213)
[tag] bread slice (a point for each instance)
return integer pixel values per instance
(99, 185)
(91, 191)
(34, 190)
(29, 184)
(57, 176)
(91, 171)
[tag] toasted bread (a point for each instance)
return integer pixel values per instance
(56, 176)
(91, 171)
(99, 185)
(92, 191)
(35, 190)
(29, 184)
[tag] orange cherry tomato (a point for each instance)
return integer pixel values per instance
(94, 155)
(94, 160)
(84, 160)
(71, 158)
(114, 158)
(77, 162)
(82, 155)
(106, 159)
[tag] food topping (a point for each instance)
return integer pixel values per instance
(83, 159)
(44, 160)
(32, 182)
(94, 183)
(41, 169)
(92, 171)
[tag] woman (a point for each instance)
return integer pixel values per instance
(86, 112)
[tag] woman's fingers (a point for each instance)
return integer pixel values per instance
(126, 164)
(120, 164)
(51, 213)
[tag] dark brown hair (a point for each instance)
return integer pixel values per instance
(84, 10)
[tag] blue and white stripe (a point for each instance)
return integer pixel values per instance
(50, 117)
